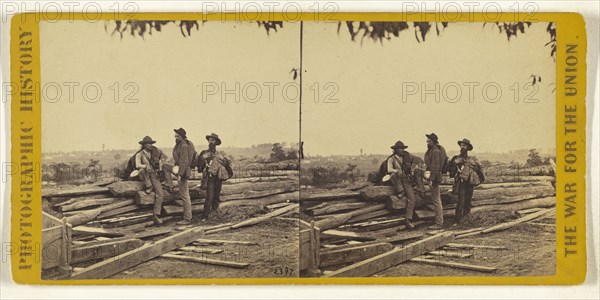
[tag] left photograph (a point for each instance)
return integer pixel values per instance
(170, 149)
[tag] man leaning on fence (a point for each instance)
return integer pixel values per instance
(399, 168)
(149, 163)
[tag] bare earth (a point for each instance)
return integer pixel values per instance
(276, 255)
(531, 252)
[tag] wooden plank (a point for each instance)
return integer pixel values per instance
(208, 261)
(103, 209)
(510, 224)
(118, 211)
(352, 254)
(129, 259)
(454, 265)
(88, 203)
(141, 226)
(92, 252)
(202, 242)
(372, 225)
(123, 217)
(462, 236)
(49, 221)
(337, 208)
(276, 205)
(174, 209)
(401, 237)
(394, 257)
(391, 231)
(524, 212)
(264, 201)
(331, 195)
(487, 186)
(446, 253)
(200, 250)
(126, 188)
(511, 199)
(60, 201)
(457, 233)
(138, 235)
(316, 205)
(79, 191)
(468, 246)
(86, 230)
(143, 217)
(256, 194)
(345, 234)
(539, 202)
(337, 220)
(233, 189)
(368, 216)
(257, 220)
(84, 217)
(493, 195)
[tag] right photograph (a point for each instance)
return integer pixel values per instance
(428, 149)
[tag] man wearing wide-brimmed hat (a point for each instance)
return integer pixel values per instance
(399, 167)
(467, 174)
(149, 161)
(215, 168)
(436, 161)
(183, 154)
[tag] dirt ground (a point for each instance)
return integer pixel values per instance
(274, 255)
(531, 250)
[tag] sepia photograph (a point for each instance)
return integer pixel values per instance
(170, 149)
(429, 149)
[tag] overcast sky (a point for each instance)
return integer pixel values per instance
(173, 74)
(170, 71)
(370, 113)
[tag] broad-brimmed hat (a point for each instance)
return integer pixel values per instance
(432, 137)
(467, 142)
(147, 140)
(181, 132)
(399, 145)
(214, 136)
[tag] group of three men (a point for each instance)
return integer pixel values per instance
(215, 167)
(406, 177)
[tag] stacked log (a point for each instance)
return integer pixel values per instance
(358, 225)
(114, 218)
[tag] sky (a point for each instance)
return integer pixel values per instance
(370, 79)
(180, 82)
(177, 82)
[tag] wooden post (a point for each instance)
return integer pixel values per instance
(313, 268)
(65, 257)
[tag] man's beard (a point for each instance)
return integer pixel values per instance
(212, 146)
(463, 152)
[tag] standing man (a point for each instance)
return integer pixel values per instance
(149, 161)
(215, 168)
(399, 167)
(436, 161)
(183, 154)
(467, 174)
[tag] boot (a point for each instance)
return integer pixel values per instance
(184, 222)
(156, 220)
(409, 225)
